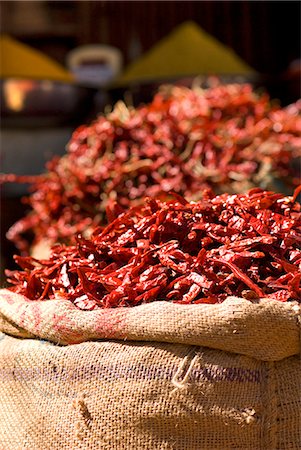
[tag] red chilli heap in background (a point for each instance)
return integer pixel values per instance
(226, 137)
(245, 245)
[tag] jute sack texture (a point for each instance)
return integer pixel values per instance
(156, 376)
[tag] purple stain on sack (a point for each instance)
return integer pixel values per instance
(120, 371)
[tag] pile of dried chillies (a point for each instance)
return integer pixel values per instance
(244, 245)
(226, 137)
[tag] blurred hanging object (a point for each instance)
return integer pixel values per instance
(186, 51)
(95, 65)
(18, 60)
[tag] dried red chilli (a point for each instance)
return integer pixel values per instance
(226, 137)
(185, 252)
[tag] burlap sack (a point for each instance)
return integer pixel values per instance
(157, 376)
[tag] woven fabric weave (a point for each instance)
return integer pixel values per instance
(157, 376)
(267, 330)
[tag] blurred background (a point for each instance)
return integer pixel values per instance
(93, 53)
(266, 34)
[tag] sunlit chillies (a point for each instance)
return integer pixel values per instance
(226, 137)
(179, 251)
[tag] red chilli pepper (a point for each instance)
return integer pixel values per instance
(226, 138)
(161, 251)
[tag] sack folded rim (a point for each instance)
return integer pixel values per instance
(267, 330)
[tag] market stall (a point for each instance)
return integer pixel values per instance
(151, 295)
